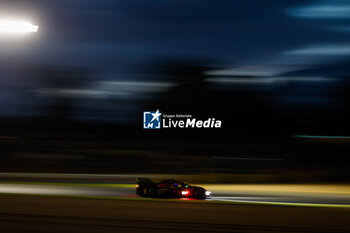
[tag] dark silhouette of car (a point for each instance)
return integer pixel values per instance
(169, 188)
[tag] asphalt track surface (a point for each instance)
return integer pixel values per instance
(129, 192)
(38, 207)
(65, 214)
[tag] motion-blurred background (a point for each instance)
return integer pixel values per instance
(276, 73)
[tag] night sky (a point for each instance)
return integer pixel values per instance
(112, 34)
(296, 38)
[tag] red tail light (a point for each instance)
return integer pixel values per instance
(185, 192)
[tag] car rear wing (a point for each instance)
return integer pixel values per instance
(144, 181)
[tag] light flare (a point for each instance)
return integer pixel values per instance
(16, 26)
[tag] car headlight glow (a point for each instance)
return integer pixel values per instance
(207, 193)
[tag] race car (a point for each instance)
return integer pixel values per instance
(169, 188)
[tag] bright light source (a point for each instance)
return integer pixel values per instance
(207, 193)
(185, 192)
(13, 26)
